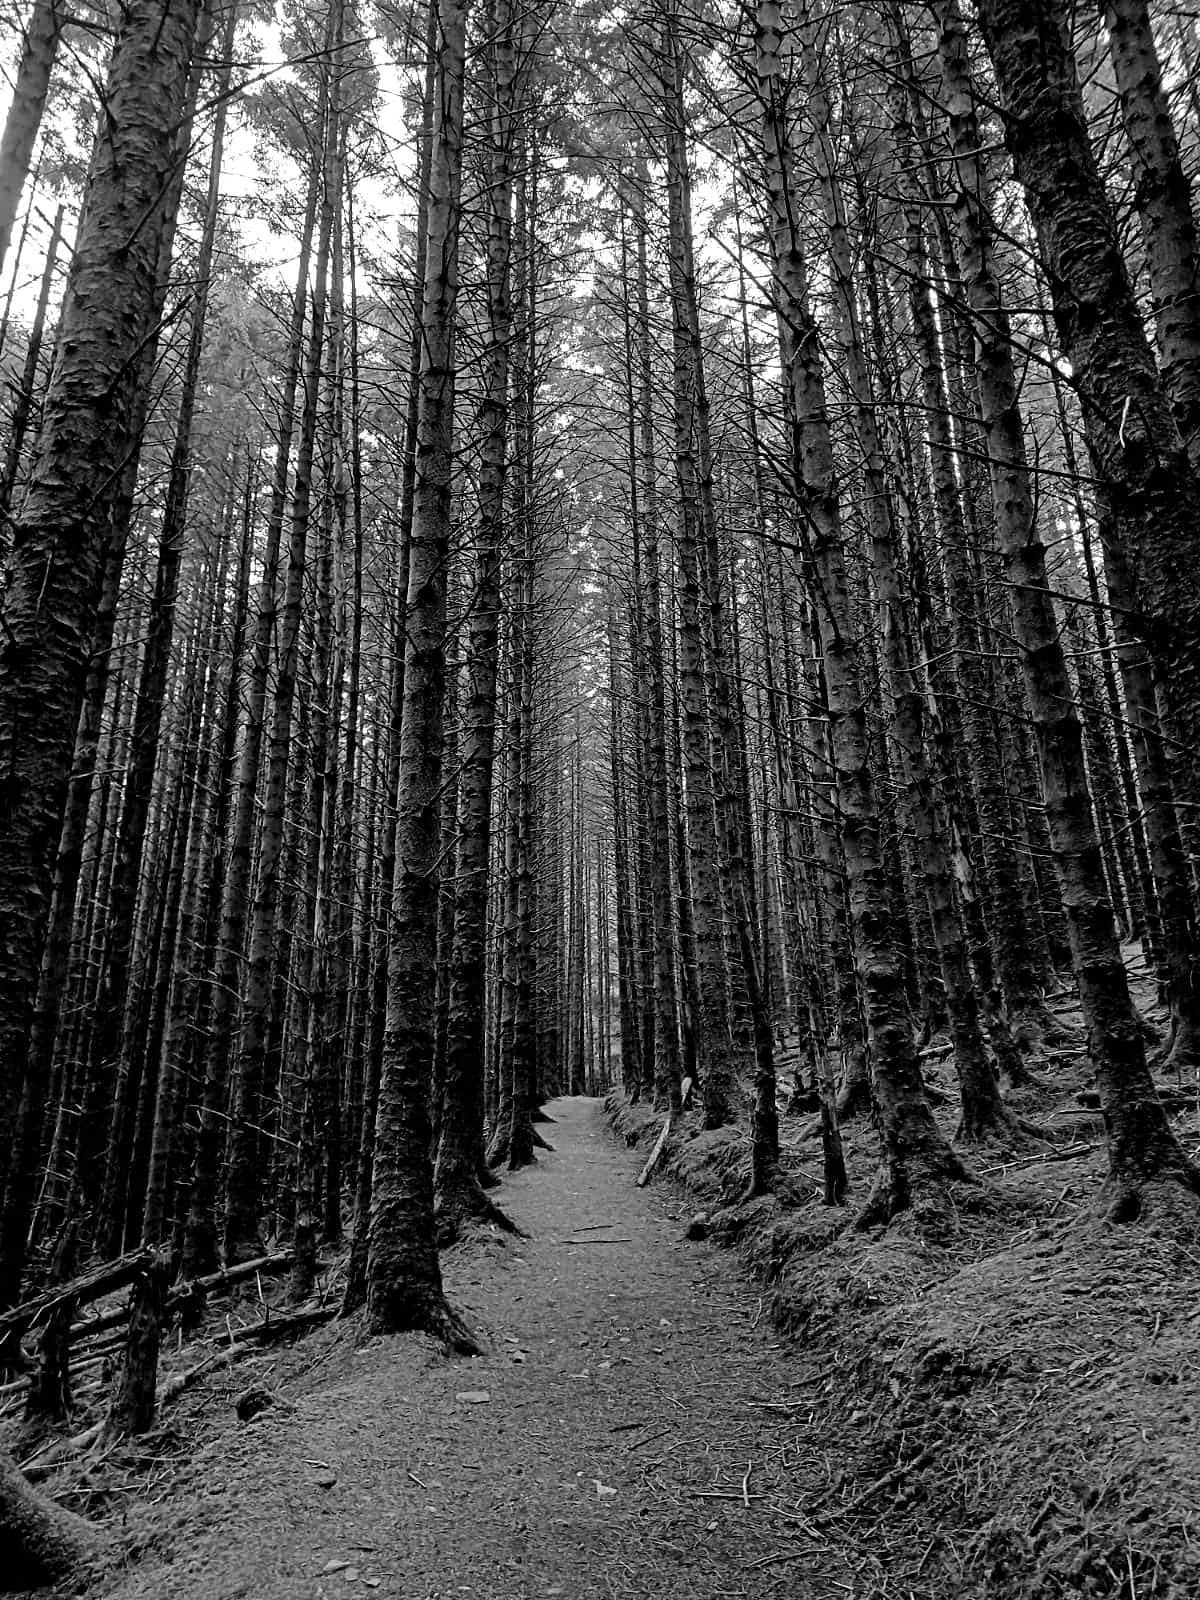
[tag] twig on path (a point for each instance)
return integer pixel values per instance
(778, 1555)
(889, 1478)
(649, 1439)
(746, 1483)
(1066, 1154)
(597, 1241)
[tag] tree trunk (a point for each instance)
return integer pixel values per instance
(1138, 458)
(356, 1270)
(404, 1284)
(114, 1054)
(57, 562)
(714, 1043)
(23, 406)
(460, 1195)
(200, 1252)
(242, 1222)
(39, 51)
(135, 1390)
(1162, 198)
(666, 1066)
(916, 1161)
(924, 801)
(1141, 1144)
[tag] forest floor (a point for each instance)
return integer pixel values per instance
(995, 1400)
(1008, 1385)
(636, 1428)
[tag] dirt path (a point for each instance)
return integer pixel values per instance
(634, 1430)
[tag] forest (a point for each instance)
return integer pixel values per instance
(595, 595)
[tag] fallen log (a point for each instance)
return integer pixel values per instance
(659, 1146)
(40, 1542)
(247, 1343)
(104, 1279)
(230, 1275)
(81, 1362)
(43, 1462)
(184, 1295)
(273, 1327)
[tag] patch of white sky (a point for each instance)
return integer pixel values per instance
(729, 269)
(260, 178)
(262, 183)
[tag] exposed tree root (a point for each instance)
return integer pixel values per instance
(40, 1542)
(1128, 1197)
(1029, 1084)
(427, 1311)
(854, 1096)
(759, 1185)
(1004, 1127)
(464, 1205)
(919, 1187)
(1034, 1025)
(775, 1184)
(1010, 1063)
(450, 1328)
(802, 1101)
(355, 1296)
(1181, 1053)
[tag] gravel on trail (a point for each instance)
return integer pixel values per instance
(634, 1429)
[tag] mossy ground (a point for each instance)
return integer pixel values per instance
(1039, 1365)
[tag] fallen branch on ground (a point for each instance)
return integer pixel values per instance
(90, 1285)
(889, 1479)
(655, 1154)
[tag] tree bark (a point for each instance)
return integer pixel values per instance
(916, 1160)
(135, 1388)
(1142, 468)
(924, 801)
(460, 1155)
(701, 756)
(1162, 198)
(114, 1054)
(242, 1221)
(43, 32)
(57, 561)
(404, 1284)
(200, 1249)
(1141, 1144)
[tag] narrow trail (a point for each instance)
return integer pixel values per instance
(635, 1429)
